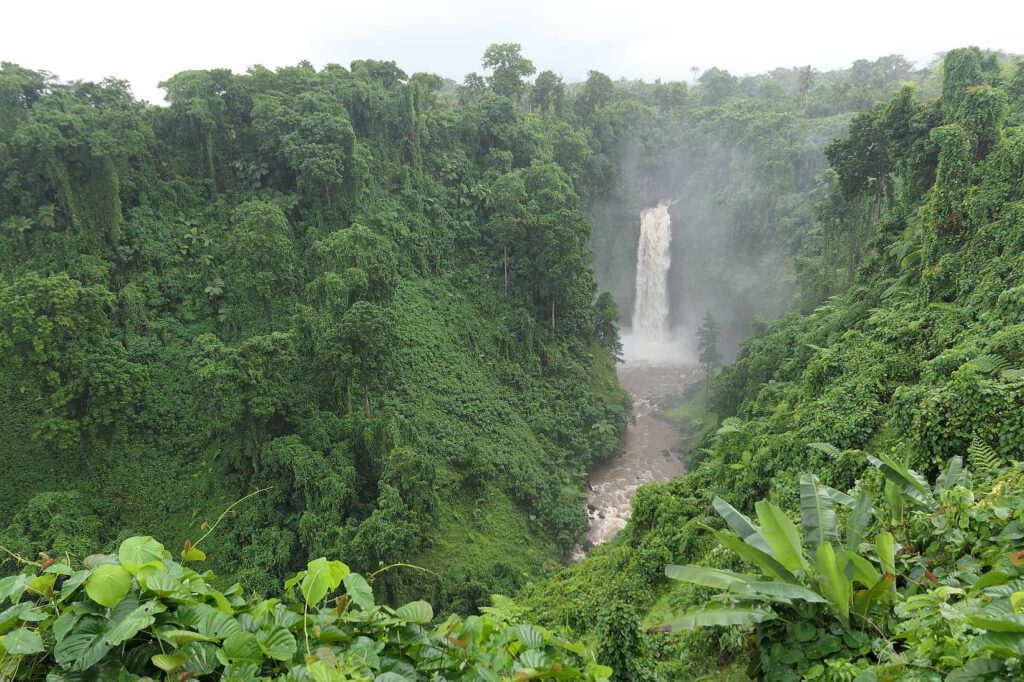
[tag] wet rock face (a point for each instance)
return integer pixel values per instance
(649, 455)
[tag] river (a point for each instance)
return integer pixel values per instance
(649, 454)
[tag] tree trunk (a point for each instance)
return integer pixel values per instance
(552, 316)
(505, 261)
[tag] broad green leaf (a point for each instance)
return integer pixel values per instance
(242, 672)
(140, 551)
(14, 586)
(43, 584)
(1006, 644)
(22, 642)
(779, 591)
(64, 623)
(322, 576)
(320, 672)
(753, 555)
(817, 515)
(161, 583)
(885, 545)
(243, 647)
(168, 662)
(857, 525)
(59, 569)
(705, 616)
(864, 600)
(949, 477)
(894, 496)
(202, 658)
(83, 646)
(277, 643)
(717, 578)
(782, 536)
(359, 591)
(108, 585)
(909, 482)
(179, 637)
(999, 616)
(125, 623)
(193, 554)
(529, 636)
(837, 496)
(856, 567)
(416, 612)
(834, 584)
(390, 677)
(742, 525)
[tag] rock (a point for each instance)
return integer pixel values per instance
(600, 515)
(591, 507)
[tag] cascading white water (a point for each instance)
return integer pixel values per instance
(650, 311)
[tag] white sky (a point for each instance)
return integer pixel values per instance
(145, 42)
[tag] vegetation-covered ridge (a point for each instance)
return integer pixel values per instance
(915, 368)
(361, 290)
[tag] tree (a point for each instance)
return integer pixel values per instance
(597, 93)
(260, 267)
(710, 359)
(717, 85)
(805, 81)
(509, 69)
(548, 93)
(606, 324)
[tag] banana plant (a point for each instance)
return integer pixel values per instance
(904, 486)
(818, 563)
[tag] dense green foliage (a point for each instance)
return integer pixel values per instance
(916, 362)
(366, 295)
(140, 615)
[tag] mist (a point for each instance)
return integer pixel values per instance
(740, 164)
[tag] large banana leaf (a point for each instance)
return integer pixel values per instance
(910, 483)
(857, 568)
(817, 515)
(834, 584)
(750, 533)
(863, 600)
(716, 614)
(894, 496)
(837, 496)
(764, 561)
(885, 544)
(999, 616)
(782, 536)
(857, 525)
(779, 591)
(709, 577)
(951, 475)
(742, 585)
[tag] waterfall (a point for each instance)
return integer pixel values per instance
(650, 311)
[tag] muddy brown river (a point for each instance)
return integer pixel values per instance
(649, 454)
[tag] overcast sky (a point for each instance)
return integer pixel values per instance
(145, 42)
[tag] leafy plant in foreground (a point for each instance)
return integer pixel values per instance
(944, 601)
(140, 615)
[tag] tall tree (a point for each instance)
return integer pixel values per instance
(707, 346)
(509, 69)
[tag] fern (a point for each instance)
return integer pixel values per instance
(827, 449)
(1012, 374)
(502, 608)
(989, 364)
(984, 460)
(730, 425)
